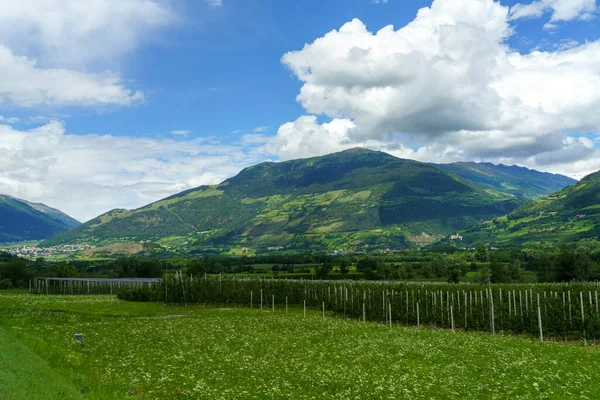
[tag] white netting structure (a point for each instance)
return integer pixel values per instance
(87, 285)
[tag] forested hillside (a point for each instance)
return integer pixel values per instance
(356, 200)
(21, 220)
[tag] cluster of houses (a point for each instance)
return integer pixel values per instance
(456, 237)
(35, 252)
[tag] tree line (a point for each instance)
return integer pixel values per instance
(572, 262)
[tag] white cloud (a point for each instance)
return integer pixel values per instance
(260, 129)
(57, 52)
(445, 87)
(75, 33)
(49, 165)
(565, 44)
(305, 137)
(255, 138)
(562, 10)
(554, 153)
(393, 80)
(180, 132)
(215, 3)
(26, 85)
(532, 10)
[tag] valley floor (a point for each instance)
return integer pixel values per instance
(146, 350)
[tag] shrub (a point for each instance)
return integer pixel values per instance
(143, 293)
(6, 284)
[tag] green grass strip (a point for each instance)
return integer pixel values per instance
(24, 375)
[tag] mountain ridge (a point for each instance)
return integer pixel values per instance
(21, 220)
(351, 200)
(570, 214)
(520, 181)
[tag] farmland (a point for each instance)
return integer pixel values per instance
(567, 311)
(147, 350)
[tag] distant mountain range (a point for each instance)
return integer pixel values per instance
(355, 200)
(568, 215)
(519, 181)
(21, 220)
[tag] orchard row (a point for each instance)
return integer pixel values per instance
(556, 311)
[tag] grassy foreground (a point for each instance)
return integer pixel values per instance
(24, 375)
(145, 350)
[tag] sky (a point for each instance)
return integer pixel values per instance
(117, 103)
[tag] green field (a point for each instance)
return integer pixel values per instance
(146, 350)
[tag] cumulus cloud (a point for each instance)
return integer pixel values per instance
(49, 49)
(75, 33)
(441, 63)
(49, 165)
(445, 87)
(562, 10)
(25, 84)
(305, 137)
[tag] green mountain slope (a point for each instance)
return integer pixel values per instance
(21, 220)
(353, 200)
(520, 181)
(567, 215)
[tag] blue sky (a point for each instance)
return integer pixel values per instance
(218, 70)
(125, 102)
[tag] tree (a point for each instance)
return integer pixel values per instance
(62, 270)
(5, 284)
(454, 273)
(498, 272)
(543, 265)
(483, 276)
(439, 267)
(564, 264)
(453, 270)
(344, 266)
(514, 273)
(426, 270)
(366, 263)
(324, 270)
(17, 271)
(368, 266)
(481, 252)
(385, 271)
(149, 269)
(196, 268)
(404, 272)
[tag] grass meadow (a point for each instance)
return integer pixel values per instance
(149, 351)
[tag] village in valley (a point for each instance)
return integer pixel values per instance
(34, 251)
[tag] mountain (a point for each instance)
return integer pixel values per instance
(355, 200)
(519, 181)
(568, 215)
(55, 214)
(21, 220)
